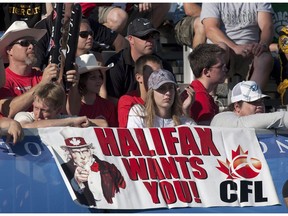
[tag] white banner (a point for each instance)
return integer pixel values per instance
(116, 168)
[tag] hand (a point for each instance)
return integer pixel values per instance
(50, 72)
(143, 7)
(81, 175)
(15, 131)
(244, 50)
(72, 76)
(188, 101)
(80, 121)
(259, 48)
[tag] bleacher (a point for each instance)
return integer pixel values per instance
(177, 56)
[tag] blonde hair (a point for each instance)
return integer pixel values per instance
(52, 94)
(150, 107)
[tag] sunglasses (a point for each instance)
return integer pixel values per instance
(25, 43)
(85, 34)
(148, 36)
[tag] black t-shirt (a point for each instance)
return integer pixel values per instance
(102, 34)
(121, 79)
(31, 13)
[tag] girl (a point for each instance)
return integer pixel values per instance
(91, 79)
(162, 107)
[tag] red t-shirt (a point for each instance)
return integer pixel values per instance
(16, 85)
(101, 107)
(204, 108)
(88, 7)
(124, 105)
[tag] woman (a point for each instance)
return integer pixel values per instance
(85, 45)
(162, 107)
(91, 79)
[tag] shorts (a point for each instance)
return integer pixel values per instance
(184, 31)
(240, 66)
(100, 13)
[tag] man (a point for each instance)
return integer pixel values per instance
(93, 180)
(137, 96)
(247, 110)
(208, 63)
(142, 39)
(247, 28)
(49, 101)
(31, 13)
(17, 48)
(155, 12)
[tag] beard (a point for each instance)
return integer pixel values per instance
(31, 60)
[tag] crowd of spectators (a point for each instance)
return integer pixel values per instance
(135, 86)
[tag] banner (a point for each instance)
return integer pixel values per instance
(116, 168)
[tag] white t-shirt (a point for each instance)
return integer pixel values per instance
(136, 119)
(29, 117)
(257, 121)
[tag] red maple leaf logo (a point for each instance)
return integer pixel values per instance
(241, 165)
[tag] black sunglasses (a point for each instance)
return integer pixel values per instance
(85, 34)
(148, 36)
(25, 43)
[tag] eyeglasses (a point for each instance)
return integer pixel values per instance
(25, 43)
(148, 36)
(85, 34)
(222, 66)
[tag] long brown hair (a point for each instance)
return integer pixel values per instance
(150, 107)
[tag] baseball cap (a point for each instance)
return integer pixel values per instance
(247, 91)
(140, 27)
(160, 77)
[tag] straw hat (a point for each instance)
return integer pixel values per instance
(18, 30)
(88, 62)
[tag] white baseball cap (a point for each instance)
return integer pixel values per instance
(247, 91)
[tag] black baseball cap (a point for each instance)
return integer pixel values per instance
(140, 27)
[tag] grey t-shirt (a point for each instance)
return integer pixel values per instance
(237, 20)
